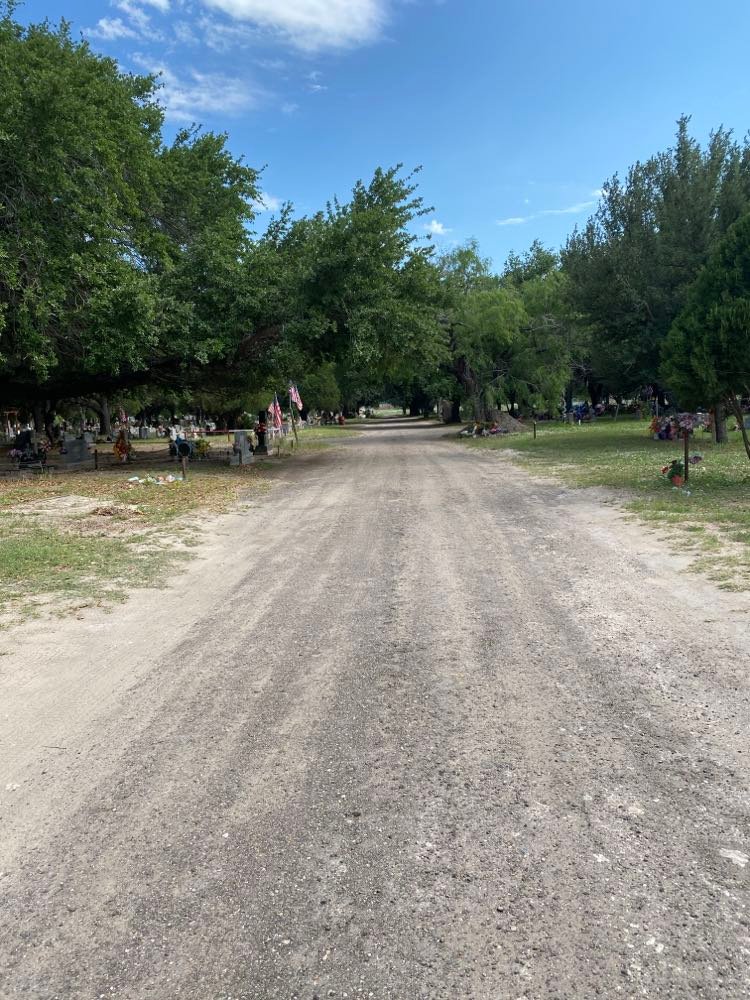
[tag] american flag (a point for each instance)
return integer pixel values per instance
(275, 409)
(295, 396)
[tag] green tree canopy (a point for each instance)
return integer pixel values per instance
(707, 351)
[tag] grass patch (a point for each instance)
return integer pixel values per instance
(37, 560)
(208, 487)
(68, 541)
(310, 439)
(93, 536)
(712, 512)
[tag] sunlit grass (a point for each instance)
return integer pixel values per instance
(712, 511)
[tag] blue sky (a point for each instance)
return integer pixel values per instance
(517, 110)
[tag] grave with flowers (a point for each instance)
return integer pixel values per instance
(678, 470)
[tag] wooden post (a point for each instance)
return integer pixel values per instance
(96, 458)
(687, 454)
(535, 430)
(184, 466)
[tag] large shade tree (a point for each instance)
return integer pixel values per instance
(632, 264)
(707, 350)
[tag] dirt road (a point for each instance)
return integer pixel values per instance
(415, 727)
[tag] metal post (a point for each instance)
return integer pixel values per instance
(687, 453)
(535, 430)
(96, 458)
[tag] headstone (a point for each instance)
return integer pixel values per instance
(242, 453)
(76, 450)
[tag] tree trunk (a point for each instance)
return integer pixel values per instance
(721, 434)
(106, 420)
(569, 397)
(49, 421)
(38, 413)
(734, 405)
(595, 392)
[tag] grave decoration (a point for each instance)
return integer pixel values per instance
(202, 447)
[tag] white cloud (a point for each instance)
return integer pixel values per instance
(136, 23)
(267, 203)
(273, 65)
(161, 5)
(520, 220)
(435, 228)
(139, 19)
(187, 98)
(184, 33)
(223, 37)
(110, 28)
(576, 209)
(311, 24)
(289, 107)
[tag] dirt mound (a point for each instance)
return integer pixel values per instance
(507, 423)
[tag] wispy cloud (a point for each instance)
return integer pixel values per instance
(135, 24)
(139, 19)
(183, 32)
(576, 209)
(111, 28)
(188, 97)
(311, 25)
(222, 36)
(289, 108)
(313, 82)
(273, 65)
(435, 228)
(520, 220)
(267, 203)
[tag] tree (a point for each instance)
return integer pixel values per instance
(320, 390)
(118, 255)
(630, 267)
(707, 351)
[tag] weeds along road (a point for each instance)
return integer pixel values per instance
(433, 731)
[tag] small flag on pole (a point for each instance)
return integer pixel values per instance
(295, 396)
(275, 409)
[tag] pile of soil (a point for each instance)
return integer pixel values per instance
(507, 423)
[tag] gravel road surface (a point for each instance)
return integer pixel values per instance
(414, 727)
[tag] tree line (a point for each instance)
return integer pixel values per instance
(132, 271)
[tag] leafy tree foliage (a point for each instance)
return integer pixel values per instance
(707, 350)
(508, 332)
(631, 266)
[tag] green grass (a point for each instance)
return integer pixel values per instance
(52, 557)
(711, 514)
(64, 557)
(325, 433)
(310, 439)
(43, 565)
